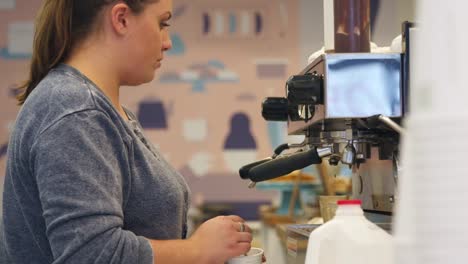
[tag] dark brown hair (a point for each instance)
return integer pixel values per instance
(60, 24)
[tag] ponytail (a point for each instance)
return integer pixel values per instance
(52, 42)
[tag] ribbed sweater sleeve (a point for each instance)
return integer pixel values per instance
(81, 165)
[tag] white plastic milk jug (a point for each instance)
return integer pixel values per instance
(349, 238)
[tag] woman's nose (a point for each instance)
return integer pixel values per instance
(167, 43)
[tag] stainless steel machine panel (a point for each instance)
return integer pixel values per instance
(362, 85)
(356, 85)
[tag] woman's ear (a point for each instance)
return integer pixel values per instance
(120, 18)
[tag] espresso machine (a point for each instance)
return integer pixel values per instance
(349, 103)
(349, 107)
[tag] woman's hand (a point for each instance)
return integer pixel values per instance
(220, 239)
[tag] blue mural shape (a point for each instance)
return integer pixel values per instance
(277, 132)
(240, 135)
(152, 115)
(206, 23)
(232, 23)
(5, 54)
(200, 74)
(216, 64)
(178, 46)
(179, 11)
(258, 23)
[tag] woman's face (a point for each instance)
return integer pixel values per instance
(147, 40)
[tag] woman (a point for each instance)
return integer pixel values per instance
(83, 185)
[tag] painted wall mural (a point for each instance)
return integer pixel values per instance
(200, 74)
(203, 108)
(152, 114)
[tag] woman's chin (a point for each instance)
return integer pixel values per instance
(142, 79)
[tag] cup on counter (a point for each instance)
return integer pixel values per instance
(328, 205)
(254, 256)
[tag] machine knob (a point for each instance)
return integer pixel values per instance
(275, 109)
(305, 89)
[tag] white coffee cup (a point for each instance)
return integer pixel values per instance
(254, 256)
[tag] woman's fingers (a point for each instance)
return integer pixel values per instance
(244, 237)
(235, 218)
(242, 227)
(239, 223)
(243, 247)
(247, 228)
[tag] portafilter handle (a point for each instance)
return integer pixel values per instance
(244, 170)
(286, 164)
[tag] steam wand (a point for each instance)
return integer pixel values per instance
(389, 122)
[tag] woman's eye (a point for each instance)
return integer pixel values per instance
(164, 25)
